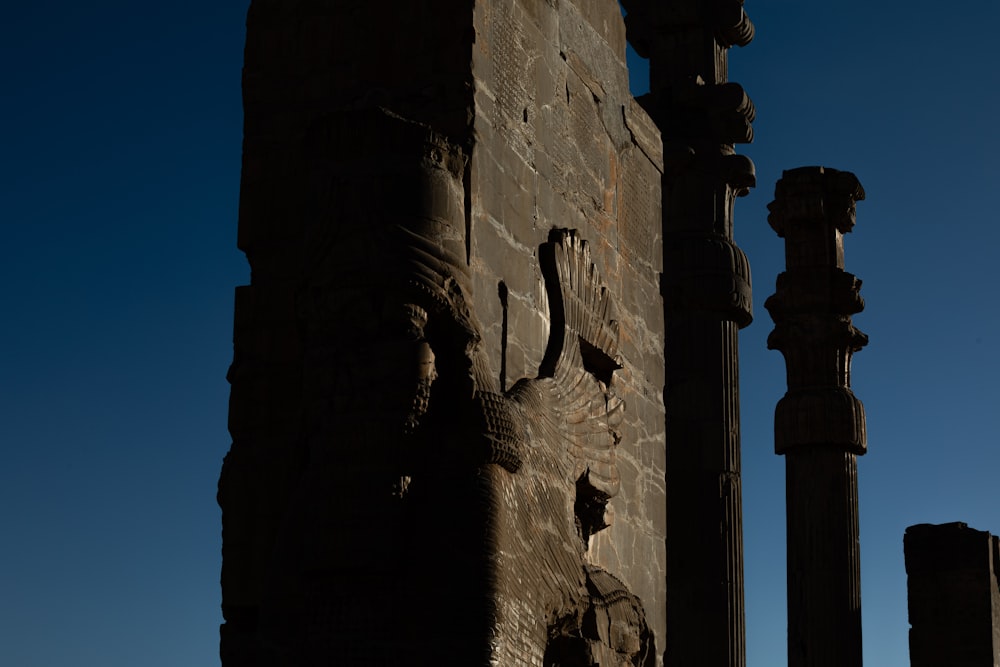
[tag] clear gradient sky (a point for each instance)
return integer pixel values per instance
(119, 186)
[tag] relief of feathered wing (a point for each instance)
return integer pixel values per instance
(572, 404)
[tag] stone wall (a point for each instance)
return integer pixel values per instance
(446, 402)
(562, 144)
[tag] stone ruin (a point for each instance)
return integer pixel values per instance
(819, 425)
(953, 595)
(488, 353)
(487, 287)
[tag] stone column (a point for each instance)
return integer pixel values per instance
(707, 299)
(819, 425)
(954, 600)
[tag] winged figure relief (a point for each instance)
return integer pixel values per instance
(564, 419)
(571, 406)
(556, 434)
(403, 417)
(572, 415)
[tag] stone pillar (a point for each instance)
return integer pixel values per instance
(707, 299)
(819, 425)
(954, 601)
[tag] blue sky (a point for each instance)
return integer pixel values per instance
(904, 95)
(119, 190)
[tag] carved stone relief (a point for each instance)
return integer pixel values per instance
(428, 395)
(404, 423)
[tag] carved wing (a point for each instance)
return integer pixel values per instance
(572, 401)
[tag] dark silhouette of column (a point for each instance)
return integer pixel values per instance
(707, 299)
(953, 595)
(819, 425)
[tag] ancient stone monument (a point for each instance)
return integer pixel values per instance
(819, 425)
(954, 597)
(707, 299)
(447, 387)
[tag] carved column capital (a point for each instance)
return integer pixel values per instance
(697, 112)
(726, 20)
(812, 308)
(707, 299)
(711, 274)
(812, 208)
(819, 425)
(732, 25)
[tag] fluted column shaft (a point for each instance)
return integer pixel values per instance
(705, 575)
(707, 299)
(819, 424)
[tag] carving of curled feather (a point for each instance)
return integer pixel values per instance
(572, 400)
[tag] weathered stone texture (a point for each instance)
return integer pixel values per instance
(953, 595)
(554, 151)
(707, 299)
(449, 359)
(819, 425)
